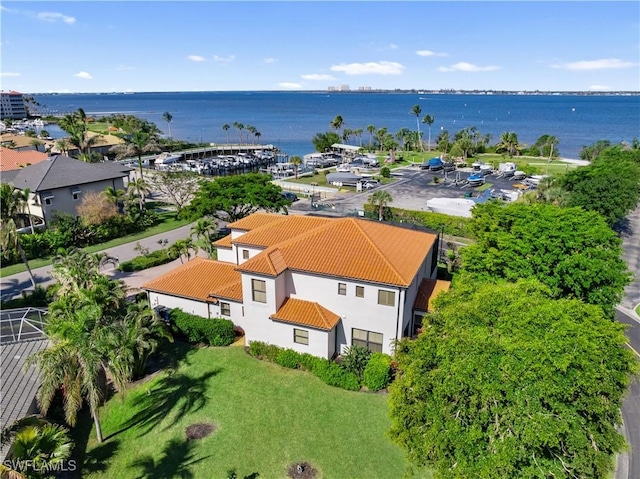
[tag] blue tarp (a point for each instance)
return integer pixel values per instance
(435, 161)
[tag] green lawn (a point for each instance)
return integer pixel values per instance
(638, 310)
(541, 165)
(266, 418)
(168, 223)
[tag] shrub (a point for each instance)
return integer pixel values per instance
(355, 359)
(216, 332)
(335, 375)
(271, 352)
(256, 349)
(309, 361)
(288, 358)
(377, 374)
(385, 172)
(148, 260)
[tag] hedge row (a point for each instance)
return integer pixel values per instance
(377, 373)
(149, 260)
(196, 329)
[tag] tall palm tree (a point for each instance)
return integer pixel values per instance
(36, 143)
(296, 161)
(115, 196)
(24, 197)
(75, 124)
(141, 189)
(337, 123)
(371, 129)
(428, 119)
(358, 133)
(63, 145)
(417, 111)
(135, 145)
(226, 128)
(168, 117)
(239, 126)
(380, 199)
(508, 143)
(253, 130)
(11, 206)
(205, 229)
(38, 445)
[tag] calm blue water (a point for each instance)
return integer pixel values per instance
(289, 120)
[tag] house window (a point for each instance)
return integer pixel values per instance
(359, 291)
(47, 201)
(225, 309)
(342, 289)
(300, 336)
(387, 298)
(259, 290)
(245, 254)
(76, 196)
(370, 340)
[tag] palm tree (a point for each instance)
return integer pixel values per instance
(296, 161)
(63, 145)
(337, 123)
(428, 119)
(140, 188)
(226, 127)
(205, 229)
(36, 143)
(417, 111)
(253, 130)
(443, 142)
(11, 206)
(371, 129)
(75, 124)
(358, 133)
(239, 127)
(24, 197)
(137, 144)
(168, 117)
(114, 196)
(380, 199)
(37, 444)
(508, 143)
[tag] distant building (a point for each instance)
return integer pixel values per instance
(344, 88)
(12, 105)
(364, 88)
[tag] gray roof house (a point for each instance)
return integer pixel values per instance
(58, 183)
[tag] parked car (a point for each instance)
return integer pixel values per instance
(290, 196)
(370, 183)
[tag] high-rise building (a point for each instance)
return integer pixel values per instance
(12, 105)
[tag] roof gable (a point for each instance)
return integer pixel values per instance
(14, 159)
(307, 313)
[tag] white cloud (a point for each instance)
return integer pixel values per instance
(370, 68)
(85, 75)
(9, 74)
(228, 59)
(468, 67)
(604, 63)
(55, 16)
(599, 88)
(289, 85)
(195, 58)
(429, 53)
(270, 60)
(317, 76)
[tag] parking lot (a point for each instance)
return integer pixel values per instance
(411, 188)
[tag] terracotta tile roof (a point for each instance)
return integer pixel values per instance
(14, 160)
(200, 279)
(306, 313)
(255, 221)
(223, 242)
(427, 292)
(349, 248)
(277, 231)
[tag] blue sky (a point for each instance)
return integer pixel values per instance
(90, 46)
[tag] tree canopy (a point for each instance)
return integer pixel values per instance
(323, 141)
(609, 185)
(230, 198)
(508, 382)
(570, 250)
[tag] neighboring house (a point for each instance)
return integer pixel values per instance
(104, 144)
(58, 183)
(21, 142)
(14, 160)
(12, 105)
(312, 284)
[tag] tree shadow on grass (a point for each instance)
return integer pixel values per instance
(97, 460)
(175, 461)
(172, 396)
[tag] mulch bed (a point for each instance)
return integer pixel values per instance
(199, 430)
(305, 471)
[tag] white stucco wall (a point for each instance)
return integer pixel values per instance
(227, 255)
(238, 252)
(187, 305)
(321, 343)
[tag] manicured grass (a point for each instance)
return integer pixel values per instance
(638, 310)
(542, 166)
(266, 418)
(168, 223)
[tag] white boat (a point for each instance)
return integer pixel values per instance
(166, 158)
(507, 170)
(451, 206)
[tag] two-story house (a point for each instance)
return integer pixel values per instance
(313, 284)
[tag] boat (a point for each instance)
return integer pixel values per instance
(452, 206)
(518, 175)
(166, 158)
(506, 170)
(476, 179)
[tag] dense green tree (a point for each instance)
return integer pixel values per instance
(509, 144)
(548, 146)
(38, 446)
(609, 185)
(507, 382)
(323, 141)
(230, 198)
(593, 151)
(570, 250)
(12, 205)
